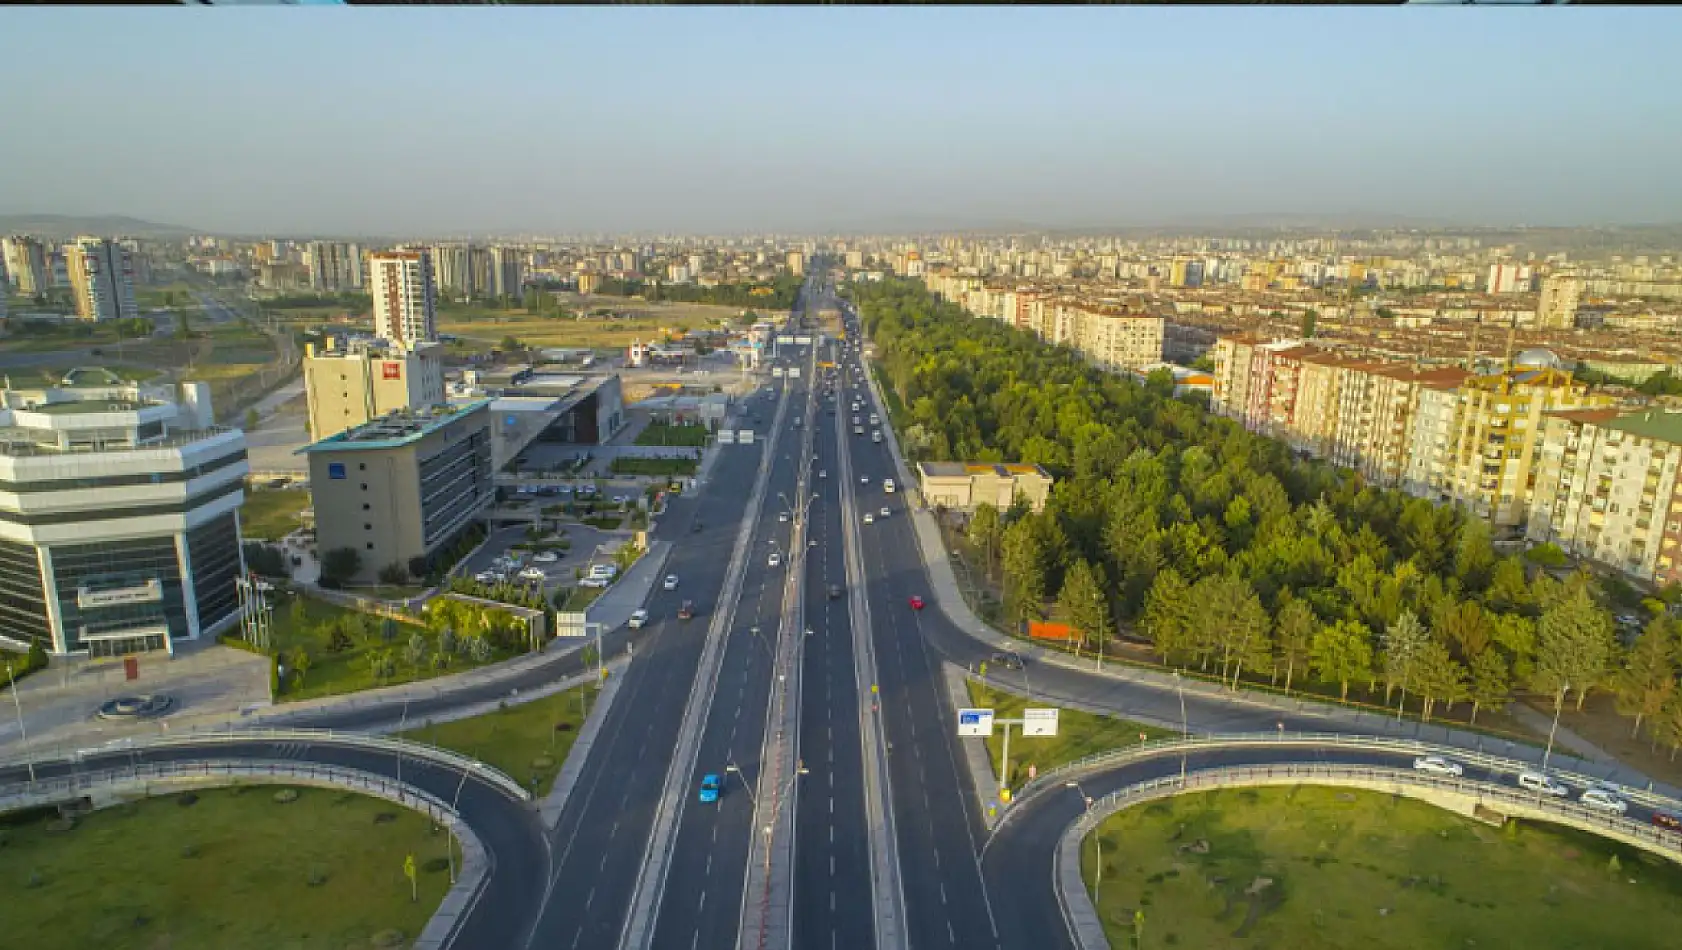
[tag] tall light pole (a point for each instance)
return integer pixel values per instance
(1097, 842)
(1559, 701)
(1185, 725)
(23, 734)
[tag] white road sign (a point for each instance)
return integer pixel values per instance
(794, 372)
(727, 437)
(777, 371)
(785, 340)
(570, 625)
(1039, 722)
(975, 722)
(803, 341)
(744, 436)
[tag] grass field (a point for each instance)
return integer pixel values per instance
(1357, 869)
(626, 465)
(660, 433)
(270, 514)
(232, 872)
(635, 320)
(1079, 734)
(529, 741)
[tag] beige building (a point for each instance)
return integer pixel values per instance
(1425, 473)
(398, 489)
(960, 486)
(101, 275)
(1605, 484)
(26, 264)
(1116, 340)
(405, 296)
(796, 263)
(364, 380)
(1556, 309)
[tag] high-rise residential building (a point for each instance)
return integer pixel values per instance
(1508, 278)
(26, 264)
(138, 259)
(507, 271)
(335, 266)
(1607, 489)
(1557, 307)
(454, 273)
(797, 263)
(350, 385)
(101, 275)
(405, 297)
(119, 516)
(400, 488)
(589, 283)
(855, 260)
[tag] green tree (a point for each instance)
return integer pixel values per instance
(252, 419)
(1575, 646)
(1341, 652)
(1648, 678)
(415, 651)
(1491, 683)
(1024, 570)
(1294, 630)
(1168, 615)
(1230, 619)
(984, 533)
(1083, 604)
(1310, 320)
(1404, 644)
(1438, 677)
(341, 564)
(298, 659)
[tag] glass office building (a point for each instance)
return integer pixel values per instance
(119, 516)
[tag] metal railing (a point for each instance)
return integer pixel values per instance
(373, 743)
(1055, 777)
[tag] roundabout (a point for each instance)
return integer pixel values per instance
(125, 708)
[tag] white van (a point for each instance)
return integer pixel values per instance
(876, 436)
(888, 485)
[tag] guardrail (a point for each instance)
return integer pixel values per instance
(417, 750)
(1102, 760)
(46, 791)
(1081, 917)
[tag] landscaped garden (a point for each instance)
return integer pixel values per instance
(270, 514)
(627, 465)
(1311, 868)
(661, 433)
(529, 741)
(225, 868)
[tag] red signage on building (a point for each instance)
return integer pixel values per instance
(393, 370)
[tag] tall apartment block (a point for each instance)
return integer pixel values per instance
(119, 516)
(26, 264)
(508, 271)
(101, 275)
(354, 383)
(401, 487)
(334, 266)
(405, 296)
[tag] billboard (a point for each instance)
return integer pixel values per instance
(975, 722)
(1039, 722)
(391, 370)
(1052, 631)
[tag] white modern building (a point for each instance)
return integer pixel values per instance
(405, 296)
(119, 516)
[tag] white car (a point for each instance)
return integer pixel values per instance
(545, 557)
(670, 583)
(775, 559)
(782, 516)
(533, 574)
(488, 577)
(1438, 765)
(864, 479)
(1603, 799)
(886, 512)
(1539, 782)
(869, 518)
(823, 473)
(638, 618)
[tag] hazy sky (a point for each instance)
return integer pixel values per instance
(416, 121)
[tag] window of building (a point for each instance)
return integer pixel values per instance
(23, 599)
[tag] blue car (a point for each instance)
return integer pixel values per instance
(709, 789)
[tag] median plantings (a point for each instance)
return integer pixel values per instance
(234, 870)
(665, 467)
(529, 741)
(662, 433)
(1079, 734)
(1328, 868)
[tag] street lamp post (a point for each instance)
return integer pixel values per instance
(1559, 701)
(23, 734)
(1185, 725)
(1097, 842)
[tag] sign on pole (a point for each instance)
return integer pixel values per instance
(786, 339)
(727, 437)
(975, 722)
(409, 872)
(570, 624)
(1039, 722)
(794, 372)
(744, 437)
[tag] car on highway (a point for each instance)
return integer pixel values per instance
(869, 518)
(834, 591)
(1010, 661)
(709, 788)
(1667, 821)
(638, 618)
(1603, 799)
(886, 511)
(916, 602)
(545, 557)
(687, 611)
(1541, 782)
(782, 516)
(1438, 765)
(670, 583)
(864, 479)
(823, 473)
(774, 560)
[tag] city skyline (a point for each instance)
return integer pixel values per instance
(569, 121)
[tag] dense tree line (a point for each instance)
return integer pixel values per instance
(1233, 556)
(784, 289)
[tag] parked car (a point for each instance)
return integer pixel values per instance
(1541, 782)
(916, 602)
(533, 574)
(1603, 799)
(545, 557)
(1438, 765)
(488, 577)
(639, 617)
(670, 583)
(709, 788)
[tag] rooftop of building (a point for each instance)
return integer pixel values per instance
(1001, 469)
(1664, 425)
(72, 407)
(401, 427)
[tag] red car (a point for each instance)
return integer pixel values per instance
(916, 603)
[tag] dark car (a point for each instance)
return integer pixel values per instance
(686, 611)
(1010, 661)
(834, 591)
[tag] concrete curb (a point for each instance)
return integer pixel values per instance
(488, 706)
(976, 756)
(549, 810)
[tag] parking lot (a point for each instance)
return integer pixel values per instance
(588, 547)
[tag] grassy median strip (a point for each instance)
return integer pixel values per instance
(1079, 734)
(224, 868)
(1311, 868)
(528, 741)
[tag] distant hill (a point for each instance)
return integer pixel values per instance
(70, 225)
